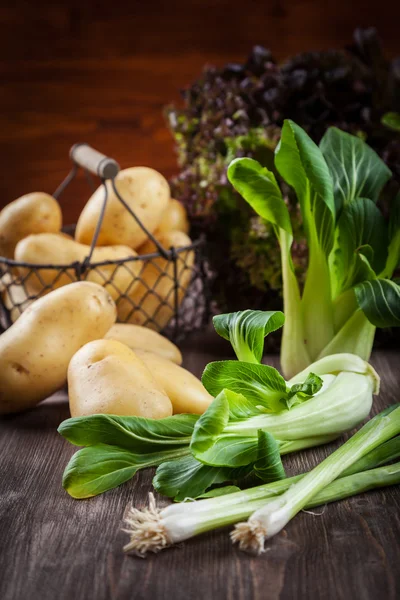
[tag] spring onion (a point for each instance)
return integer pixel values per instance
(153, 529)
(270, 519)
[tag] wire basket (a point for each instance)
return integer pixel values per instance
(166, 290)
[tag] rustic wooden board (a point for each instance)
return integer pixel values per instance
(54, 547)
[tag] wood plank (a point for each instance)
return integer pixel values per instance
(55, 547)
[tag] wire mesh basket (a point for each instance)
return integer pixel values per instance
(165, 290)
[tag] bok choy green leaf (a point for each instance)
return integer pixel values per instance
(246, 330)
(356, 169)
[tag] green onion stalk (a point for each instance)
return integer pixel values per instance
(153, 529)
(268, 520)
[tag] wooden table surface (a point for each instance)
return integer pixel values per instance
(56, 548)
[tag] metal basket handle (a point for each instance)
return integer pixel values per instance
(94, 161)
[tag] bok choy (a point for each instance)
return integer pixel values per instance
(255, 418)
(353, 251)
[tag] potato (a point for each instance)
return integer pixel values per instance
(36, 350)
(168, 239)
(34, 213)
(107, 377)
(186, 392)
(14, 295)
(45, 248)
(174, 218)
(136, 337)
(151, 303)
(145, 191)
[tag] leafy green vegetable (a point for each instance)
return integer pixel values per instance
(345, 402)
(233, 440)
(353, 253)
(259, 384)
(393, 259)
(391, 120)
(362, 236)
(117, 447)
(357, 170)
(136, 434)
(299, 392)
(380, 301)
(301, 163)
(246, 331)
(211, 423)
(230, 112)
(294, 350)
(268, 465)
(189, 478)
(266, 197)
(96, 469)
(260, 387)
(227, 435)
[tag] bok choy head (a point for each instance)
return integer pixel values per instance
(353, 250)
(333, 395)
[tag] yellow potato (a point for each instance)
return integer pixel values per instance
(46, 248)
(136, 337)
(36, 350)
(186, 392)
(107, 377)
(145, 191)
(34, 213)
(15, 298)
(174, 218)
(152, 302)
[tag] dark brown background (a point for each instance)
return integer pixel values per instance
(102, 71)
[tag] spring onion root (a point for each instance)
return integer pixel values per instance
(146, 530)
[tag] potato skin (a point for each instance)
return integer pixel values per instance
(107, 377)
(186, 392)
(155, 296)
(145, 191)
(142, 338)
(33, 213)
(174, 218)
(46, 248)
(36, 350)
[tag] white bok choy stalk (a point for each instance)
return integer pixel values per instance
(154, 529)
(267, 521)
(342, 403)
